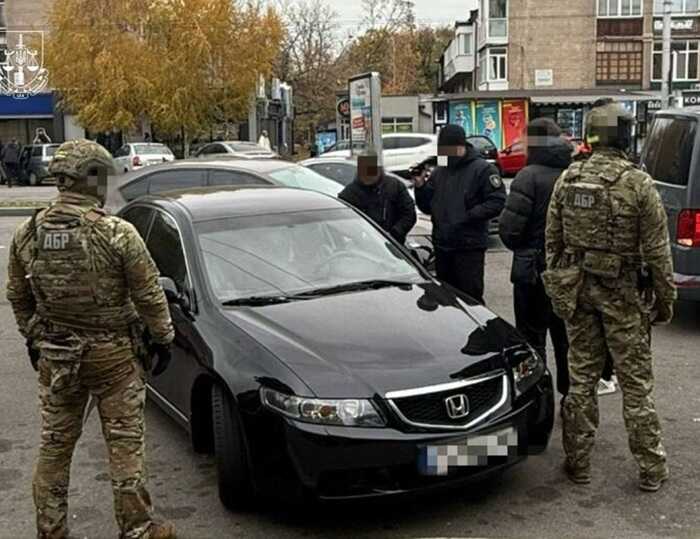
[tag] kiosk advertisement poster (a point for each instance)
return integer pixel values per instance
(514, 121)
(365, 114)
(463, 114)
(488, 121)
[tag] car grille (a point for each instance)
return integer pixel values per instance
(431, 410)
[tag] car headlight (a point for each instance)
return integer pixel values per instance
(347, 412)
(528, 368)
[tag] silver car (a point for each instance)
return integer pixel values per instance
(235, 148)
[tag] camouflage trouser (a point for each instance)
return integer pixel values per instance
(107, 369)
(613, 318)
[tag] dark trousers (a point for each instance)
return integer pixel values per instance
(11, 170)
(462, 269)
(534, 317)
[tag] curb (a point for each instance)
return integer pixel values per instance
(17, 211)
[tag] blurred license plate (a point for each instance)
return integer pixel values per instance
(474, 450)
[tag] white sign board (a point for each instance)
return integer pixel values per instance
(544, 77)
(365, 114)
(676, 24)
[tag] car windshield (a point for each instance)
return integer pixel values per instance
(51, 150)
(303, 178)
(293, 253)
(152, 149)
(480, 143)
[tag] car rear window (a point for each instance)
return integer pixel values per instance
(247, 148)
(669, 149)
(152, 149)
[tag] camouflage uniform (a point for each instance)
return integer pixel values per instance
(606, 219)
(81, 285)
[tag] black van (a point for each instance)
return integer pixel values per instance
(672, 157)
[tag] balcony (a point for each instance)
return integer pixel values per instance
(498, 29)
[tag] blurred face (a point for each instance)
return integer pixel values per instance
(368, 170)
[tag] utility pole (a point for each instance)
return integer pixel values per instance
(666, 75)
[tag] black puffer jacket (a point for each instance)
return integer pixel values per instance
(523, 222)
(388, 203)
(462, 198)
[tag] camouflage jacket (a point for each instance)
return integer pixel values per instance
(118, 286)
(605, 205)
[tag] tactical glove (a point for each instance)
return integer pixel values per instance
(664, 312)
(162, 352)
(34, 355)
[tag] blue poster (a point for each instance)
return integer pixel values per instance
(463, 114)
(488, 121)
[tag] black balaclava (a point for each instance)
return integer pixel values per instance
(452, 135)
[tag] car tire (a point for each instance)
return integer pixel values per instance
(33, 180)
(235, 490)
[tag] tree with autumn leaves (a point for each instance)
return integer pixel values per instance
(183, 64)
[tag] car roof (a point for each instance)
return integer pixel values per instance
(262, 166)
(685, 111)
(212, 203)
(330, 159)
(409, 135)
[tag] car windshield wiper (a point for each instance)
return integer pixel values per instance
(258, 301)
(371, 284)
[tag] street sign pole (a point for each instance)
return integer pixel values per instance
(365, 115)
(666, 68)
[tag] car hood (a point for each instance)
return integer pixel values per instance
(365, 343)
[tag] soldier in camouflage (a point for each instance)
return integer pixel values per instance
(605, 223)
(82, 286)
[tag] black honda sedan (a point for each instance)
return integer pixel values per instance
(313, 355)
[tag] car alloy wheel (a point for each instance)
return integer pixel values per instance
(235, 490)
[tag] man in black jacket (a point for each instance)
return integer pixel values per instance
(382, 198)
(462, 198)
(522, 227)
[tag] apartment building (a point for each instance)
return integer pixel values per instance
(559, 57)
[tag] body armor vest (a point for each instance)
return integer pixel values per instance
(75, 274)
(600, 214)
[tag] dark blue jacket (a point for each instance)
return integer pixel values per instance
(462, 198)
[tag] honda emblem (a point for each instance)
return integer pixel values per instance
(457, 406)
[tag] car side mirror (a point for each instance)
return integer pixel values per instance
(172, 294)
(507, 151)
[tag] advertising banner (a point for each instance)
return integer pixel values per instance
(488, 121)
(463, 114)
(365, 114)
(514, 121)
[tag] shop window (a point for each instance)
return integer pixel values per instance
(619, 62)
(684, 60)
(620, 8)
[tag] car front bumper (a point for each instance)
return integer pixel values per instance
(342, 463)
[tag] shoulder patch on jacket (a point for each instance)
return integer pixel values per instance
(496, 181)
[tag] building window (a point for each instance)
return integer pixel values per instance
(678, 7)
(465, 42)
(483, 65)
(619, 62)
(3, 33)
(684, 60)
(498, 65)
(498, 18)
(397, 125)
(620, 8)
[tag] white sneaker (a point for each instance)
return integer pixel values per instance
(605, 387)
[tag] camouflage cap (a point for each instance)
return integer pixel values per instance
(80, 159)
(606, 125)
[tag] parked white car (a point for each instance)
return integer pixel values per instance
(401, 150)
(136, 155)
(235, 148)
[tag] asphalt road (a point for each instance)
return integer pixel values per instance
(532, 500)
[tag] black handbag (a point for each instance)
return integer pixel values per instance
(526, 267)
